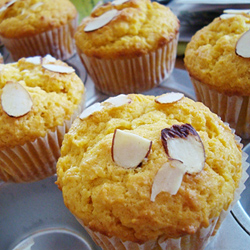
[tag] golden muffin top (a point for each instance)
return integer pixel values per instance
(210, 56)
(117, 199)
(31, 17)
(136, 27)
(49, 97)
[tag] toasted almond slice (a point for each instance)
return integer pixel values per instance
(168, 178)
(58, 68)
(34, 59)
(119, 100)
(119, 2)
(99, 22)
(16, 100)
(6, 5)
(48, 59)
(243, 45)
(91, 110)
(182, 142)
(169, 98)
(129, 150)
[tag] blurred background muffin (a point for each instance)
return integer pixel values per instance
(38, 27)
(145, 172)
(128, 46)
(40, 97)
(220, 74)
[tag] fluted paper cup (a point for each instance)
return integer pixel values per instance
(35, 160)
(234, 109)
(197, 241)
(58, 42)
(131, 75)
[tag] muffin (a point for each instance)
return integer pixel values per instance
(128, 46)
(219, 72)
(38, 27)
(40, 97)
(145, 172)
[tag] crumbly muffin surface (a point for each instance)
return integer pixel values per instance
(31, 17)
(139, 27)
(56, 96)
(116, 201)
(210, 56)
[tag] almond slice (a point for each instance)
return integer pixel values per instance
(169, 98)
(6, 5)
(168, 178)
(34, 59)
(228, 13)
(236, 11)
(182, 142)
(99, 4)
(58, 68)
(128, 150)
(48, 59)
(243, 45)
(118, 2)
(91, 110)
(119, 100)
(226, 16)
(36, 5)
(16, 100)
(99, 22)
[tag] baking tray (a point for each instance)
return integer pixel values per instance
(34, 217)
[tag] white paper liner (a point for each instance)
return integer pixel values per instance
(134, 75)
(197, 241)
(35, 160)
(58, 42)
(232, 109)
